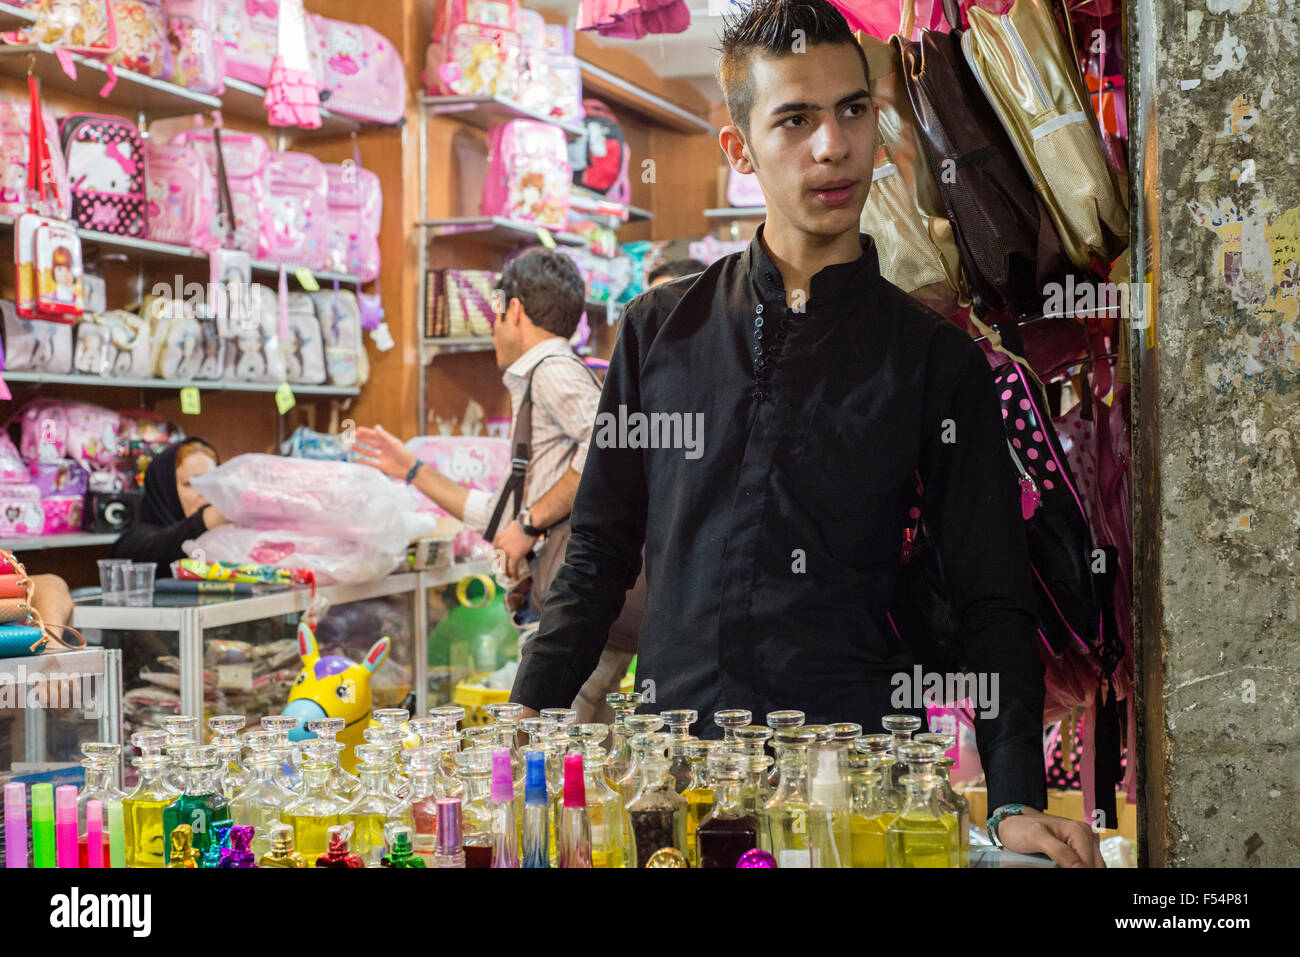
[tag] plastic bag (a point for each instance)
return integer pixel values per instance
(332, 560)
(329, 500)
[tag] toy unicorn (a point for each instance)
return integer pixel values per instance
(333, 687)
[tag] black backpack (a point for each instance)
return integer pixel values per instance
(599, 159)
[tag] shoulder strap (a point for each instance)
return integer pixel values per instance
(522, 441)
(225, 204)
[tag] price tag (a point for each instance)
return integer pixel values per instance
(545, 236)
(307, 280)
(235, 677)
(191, 404)
(284, 400)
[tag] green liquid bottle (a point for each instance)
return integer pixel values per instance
(200, 804)
(922, 835)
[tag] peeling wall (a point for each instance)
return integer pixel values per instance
(1217, 430)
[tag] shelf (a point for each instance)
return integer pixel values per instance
(483, 112)
(432, 348)
(134, 91)
(602, 308)
(246, 99)
(615, 89)
(173, 385)
(14, 18)
(736, 212)
(36, 543)
(586, 201)
(496, 229)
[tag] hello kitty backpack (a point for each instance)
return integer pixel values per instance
(198, 56)
(356, 206)
(475, 49)
(181, 190)
(244, 157)
(364, 76)
(529, 177)
(297, 206)
(106, 170)
(249, 33)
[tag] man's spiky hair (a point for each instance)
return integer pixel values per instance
(768, 28)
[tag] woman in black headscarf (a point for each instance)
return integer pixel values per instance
(171, 512)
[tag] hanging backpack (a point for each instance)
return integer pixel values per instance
(15, 148)
(181, 190)
(346, 362)
(106, 170)
(364, 76)
(198, 57)
(600, 158)
(564, 74)
(304, 351)
(240, 170)
(297, 195)
(142, 42)
(528, 178)
(475, 49)
(356, 207)
(249, 32)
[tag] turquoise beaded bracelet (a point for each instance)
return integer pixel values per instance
(991, 827)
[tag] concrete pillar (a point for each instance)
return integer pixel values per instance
(1215, 137)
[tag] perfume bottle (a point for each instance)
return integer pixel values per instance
(950, 801)
(418, 810)
(401, 851)
(679, 728)
(218, 844)
(368, 813)
(143, 810)
(901, 728)
(282, 725)
(317, 808)
(536, 830)
(338, 853)
(181, 730)
(640, 727)
(396, 783)
(731, 719)
(450, 852)
(200, 805)
(755, 792)
(505, 827)
(658, 812)
(475, 768)
(231, 777)
(699, 792)
(240, 856)
(101, 763)
(262, 801)
(777, 721)
(611, 828)
(623, 703)
(785, 818)
(574, 830)
(344, 784)
(728, 830)
(180, 847)
(505, 725)
(922, 835)
(877, 746)
(282, 853)
(868, 818)
(829, 830)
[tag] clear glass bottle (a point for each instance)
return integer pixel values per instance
(778, 721)
(901, 727)
(536, 841)
(232, 777)
(396, 782)
(182, 730)
(475, 768)
(922, 835)
(505, 723)
(611, 828)
(658, 812)
(877, 746)
(401, 850)
(282, 853)
(143, 812)
(368, 812)
(729, 720)
(755, 792)
(317, 808)
(623, 703)
(869, 819)
(950, 800)
(638, 726)
(574, 829)
(679, 728)
(699, 792)
(282, 725)
(345, 784)
(728, 830)
(419, 810)
(200, 805)
(262, 802)
(786, 834)
(450, 852)
(829, 809)
(505, 827)
(101, 763)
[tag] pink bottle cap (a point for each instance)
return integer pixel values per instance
(65, 825)
(94, 834)
(503, 777)
(575, 789)
(15, 824)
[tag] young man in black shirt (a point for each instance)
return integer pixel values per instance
(758, 431)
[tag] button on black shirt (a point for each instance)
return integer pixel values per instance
(771, 557)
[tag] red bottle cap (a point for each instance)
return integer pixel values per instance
(575, 789)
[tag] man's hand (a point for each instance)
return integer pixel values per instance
(378, 449)
(1068, 843)
(516, 545)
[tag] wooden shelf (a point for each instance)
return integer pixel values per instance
(614, 89)
(14, 18)
(495, 229)
(173, 385)
(483, 112)
(432, 348)
(245, 100)
(36, 543)
(593, 204)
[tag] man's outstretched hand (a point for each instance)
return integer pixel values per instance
(1068, 843)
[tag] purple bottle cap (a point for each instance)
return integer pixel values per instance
(448, 825)
(503, 777)
(756, 857)
(575, 788)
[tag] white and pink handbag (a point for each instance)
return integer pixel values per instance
(297, 203)
(249, 32)
(365, 77)
(181, 189)
(356, 206)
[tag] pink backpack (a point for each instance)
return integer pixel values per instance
(246, 156)
(248, 30)
(15, 121)
(743, 190)
(529, 177)
(142, 43)
(563, 73)
(475, 49)
(364, 76)
(297, 203)
(534, 85)
(356, 206)
(61, 428)
(198, 57)
(181, 192)
(105, 157)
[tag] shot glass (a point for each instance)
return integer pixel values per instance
(138, 582)
(111, 582)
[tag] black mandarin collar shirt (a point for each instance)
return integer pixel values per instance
(771, 552)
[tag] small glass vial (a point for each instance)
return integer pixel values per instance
(785, 818)
(418, 810)
(182, 730)
(699, 792)
(756, 791)
(922, 835)
(623, 704)
(679, 728)
(728, 830)
(658, 812)
(231, 775)
(901, 727)
(338, 852)
(877, 746)
(260, 804)
(282, 853)
(574, 829)
(401, 853)
(639, 726)
(344, 784)
(450, 852)
(475, 769)
(611, 828)
(504, 826)
(536, 826)
(368, 813)
(505, 725)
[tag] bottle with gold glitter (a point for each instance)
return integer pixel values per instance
(282, 853)
(182, 853)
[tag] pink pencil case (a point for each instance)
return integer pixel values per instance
(63, 513)
(20, 510)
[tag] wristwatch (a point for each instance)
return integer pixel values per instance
(526, 524)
